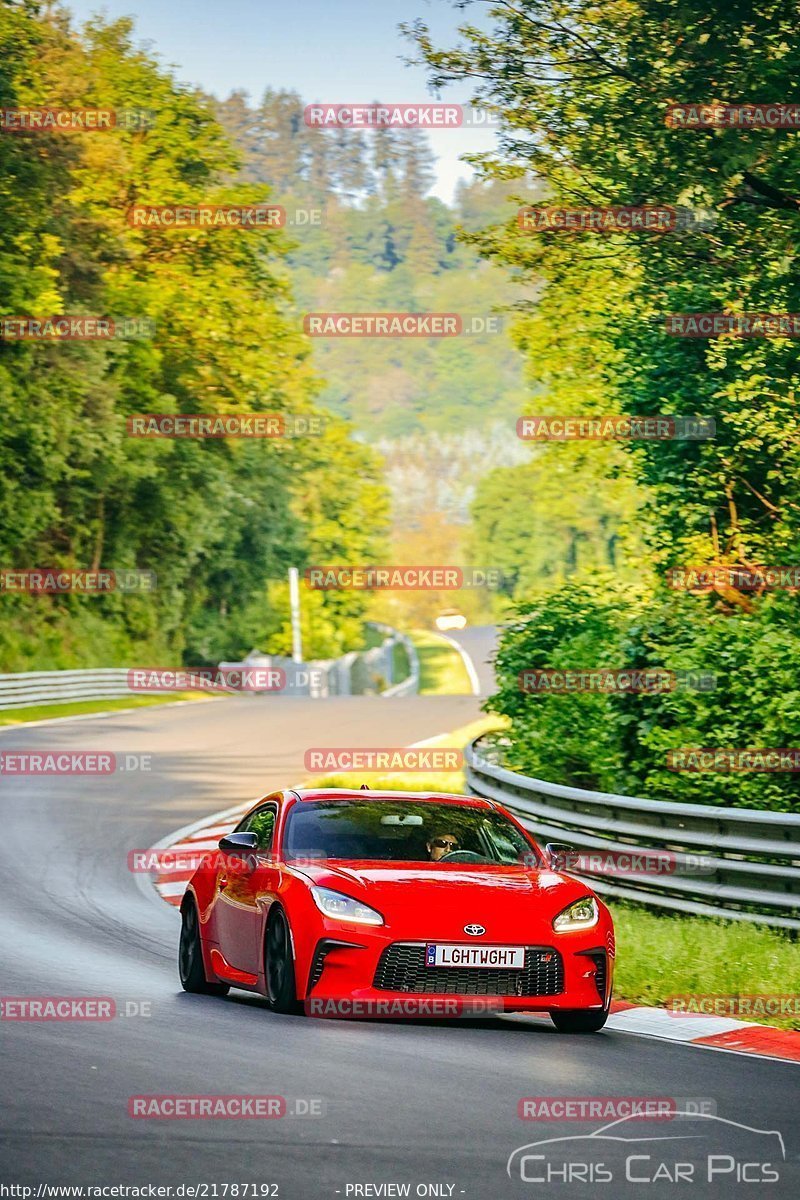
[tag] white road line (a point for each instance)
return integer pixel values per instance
(469, 665)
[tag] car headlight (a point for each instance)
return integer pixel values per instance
(583, 914)
(344, 908)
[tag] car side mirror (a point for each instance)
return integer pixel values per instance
(234, 843)
(562, 856)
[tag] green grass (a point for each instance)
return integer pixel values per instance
(441, 668)
(44, 712)
(659, 956)
(401, 667)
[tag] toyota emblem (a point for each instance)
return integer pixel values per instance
(474, 930)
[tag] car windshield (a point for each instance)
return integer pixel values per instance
(403, 831)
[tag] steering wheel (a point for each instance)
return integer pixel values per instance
(464, 856)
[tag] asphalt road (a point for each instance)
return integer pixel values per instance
(404, 1103)
(479, 642)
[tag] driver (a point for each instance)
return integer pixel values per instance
(441, 844)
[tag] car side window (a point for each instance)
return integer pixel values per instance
(262, 824)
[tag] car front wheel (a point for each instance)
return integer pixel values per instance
(279, 965)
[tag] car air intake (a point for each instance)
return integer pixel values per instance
(402, 969)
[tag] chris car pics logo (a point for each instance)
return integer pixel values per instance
(696, 1148)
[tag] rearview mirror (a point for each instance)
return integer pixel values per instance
(233, 843)
(562, 857)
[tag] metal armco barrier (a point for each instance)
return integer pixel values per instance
(410, 685)
(751, 868)
(352, 674)
(28, 688)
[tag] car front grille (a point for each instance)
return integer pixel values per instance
(402, 969)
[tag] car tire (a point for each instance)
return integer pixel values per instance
(279, 965)
(190, 956)
(579, 1020)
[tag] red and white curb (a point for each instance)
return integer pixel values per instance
(196, 839)
(717, 1033)
(720, 1033)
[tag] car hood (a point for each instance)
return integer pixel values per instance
(394, 887)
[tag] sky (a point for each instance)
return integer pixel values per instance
(327, 50)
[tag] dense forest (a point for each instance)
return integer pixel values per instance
(414, 427)
(585, 96)
(218, 521)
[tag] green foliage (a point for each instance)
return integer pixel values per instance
(620, 742)
(546, 519)
(584, 92)
(569, 738)
(218, 521)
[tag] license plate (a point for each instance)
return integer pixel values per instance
(508, 957)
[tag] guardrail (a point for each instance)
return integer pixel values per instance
(751, 867)
(28, 688)
(410, 685)
(317, 679)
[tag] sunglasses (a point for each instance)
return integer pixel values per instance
(444, 844)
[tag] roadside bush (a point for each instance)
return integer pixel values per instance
(619, 742)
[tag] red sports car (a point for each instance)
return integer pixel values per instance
(342, 902)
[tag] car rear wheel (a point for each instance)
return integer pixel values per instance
(190, 956)
(279, 965)
(579, 1020)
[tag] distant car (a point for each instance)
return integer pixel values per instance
(451, 618)
(372, 896)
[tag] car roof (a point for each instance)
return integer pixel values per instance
(323, 793)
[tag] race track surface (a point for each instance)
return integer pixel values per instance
(404, 1103)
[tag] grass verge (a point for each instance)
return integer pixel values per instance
(441, 668)
(660, 956)
(45, 712)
